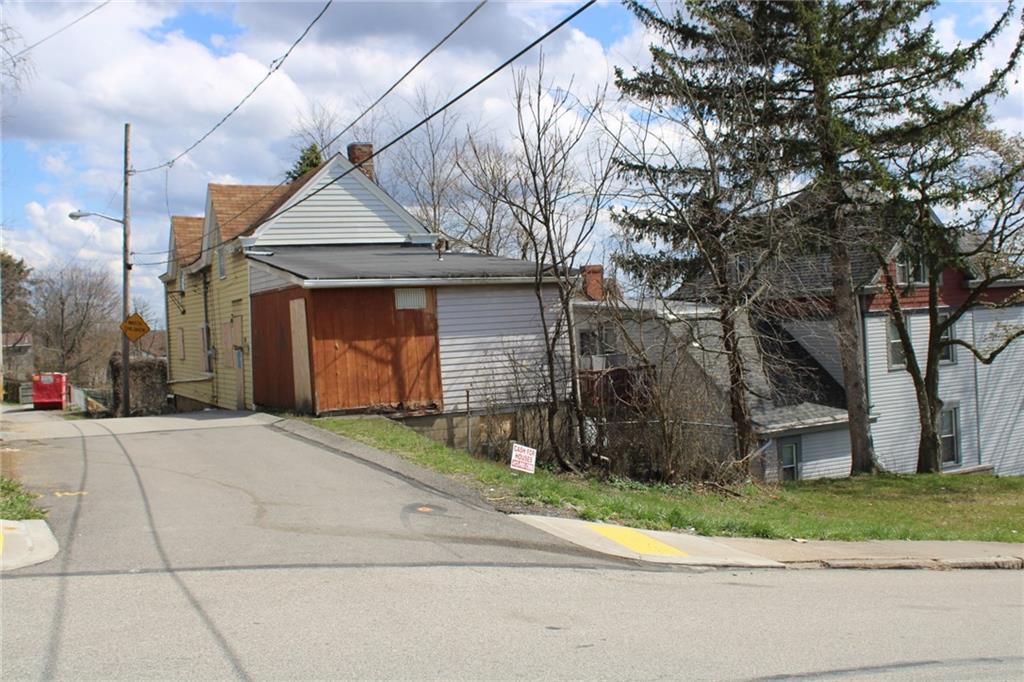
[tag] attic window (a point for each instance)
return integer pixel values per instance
(910, 269)
(410, 299)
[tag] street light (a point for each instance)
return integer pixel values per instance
(78, 215)
(126, 225)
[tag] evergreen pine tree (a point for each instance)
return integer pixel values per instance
(309, 159)
(845, 88)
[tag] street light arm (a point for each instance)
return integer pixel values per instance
(76, 215)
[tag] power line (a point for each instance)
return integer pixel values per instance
(358, 118)
(418, 125)
(274, 66)
(59, 30)
(437, 111)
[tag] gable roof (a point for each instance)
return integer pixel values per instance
(239, 208)
(187, 233)
(334, 204)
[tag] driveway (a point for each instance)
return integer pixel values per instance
(216, 546)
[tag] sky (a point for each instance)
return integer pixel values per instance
(173, 69)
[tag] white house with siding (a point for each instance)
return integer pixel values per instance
(983, 404)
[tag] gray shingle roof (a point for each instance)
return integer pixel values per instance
(388, 261)
(800, 416)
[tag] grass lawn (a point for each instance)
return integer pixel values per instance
(885, 507)
(16, 503)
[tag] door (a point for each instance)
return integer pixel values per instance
(300, 356)
(789, 458)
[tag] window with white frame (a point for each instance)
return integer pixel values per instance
(910, 269)
(222, 266)
(897, 356)
(947, 353)
(949, 435)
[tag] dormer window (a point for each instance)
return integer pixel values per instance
(911, 269)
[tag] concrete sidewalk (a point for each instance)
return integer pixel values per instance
(695, 550)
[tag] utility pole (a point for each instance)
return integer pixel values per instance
(126, 265)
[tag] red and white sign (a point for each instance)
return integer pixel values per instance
(523, 458)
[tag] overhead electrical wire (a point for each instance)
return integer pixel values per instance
(358, 118)
(14, 57)
(274, 67)
(419, 124)
(409, 131)
(436, 112)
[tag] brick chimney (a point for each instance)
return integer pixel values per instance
(360, 152)
(593, 282)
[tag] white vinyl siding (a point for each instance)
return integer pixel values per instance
(349, 211)
(825, 454)
(893, 401)
(492, 343)
(261, 280)
(1000, 390)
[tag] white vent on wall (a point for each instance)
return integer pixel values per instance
(410, 299)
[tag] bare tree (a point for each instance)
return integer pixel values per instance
(975, 179)
(76, 310)
(424, 164)
(483, 221)
(560, 184)
(318, 126)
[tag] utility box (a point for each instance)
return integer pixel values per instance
(50, 391)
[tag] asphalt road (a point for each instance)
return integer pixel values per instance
(206, 550)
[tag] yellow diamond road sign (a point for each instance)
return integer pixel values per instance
(135, 327)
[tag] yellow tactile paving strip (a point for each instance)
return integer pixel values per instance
(636, 541)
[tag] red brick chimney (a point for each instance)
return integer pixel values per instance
(593, 282)
(362, 153)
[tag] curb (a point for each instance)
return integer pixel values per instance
(392, 464)
(987, 563)
(26, 543)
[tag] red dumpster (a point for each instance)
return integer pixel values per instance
(50, 391)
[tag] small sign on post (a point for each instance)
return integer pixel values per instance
(523, 458)
(134, 327)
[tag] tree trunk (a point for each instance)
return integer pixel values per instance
(852, 356)
(739, 410)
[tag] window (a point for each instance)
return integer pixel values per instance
(910, 269)
(897, 357)
(789, 458)
(947, 353)
(410, 299)
(181, 343)
(205, 349)
(949, 435)
(599, 348)
(222, 266)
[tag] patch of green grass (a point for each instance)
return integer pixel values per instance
(881, 507)
(16, 503)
